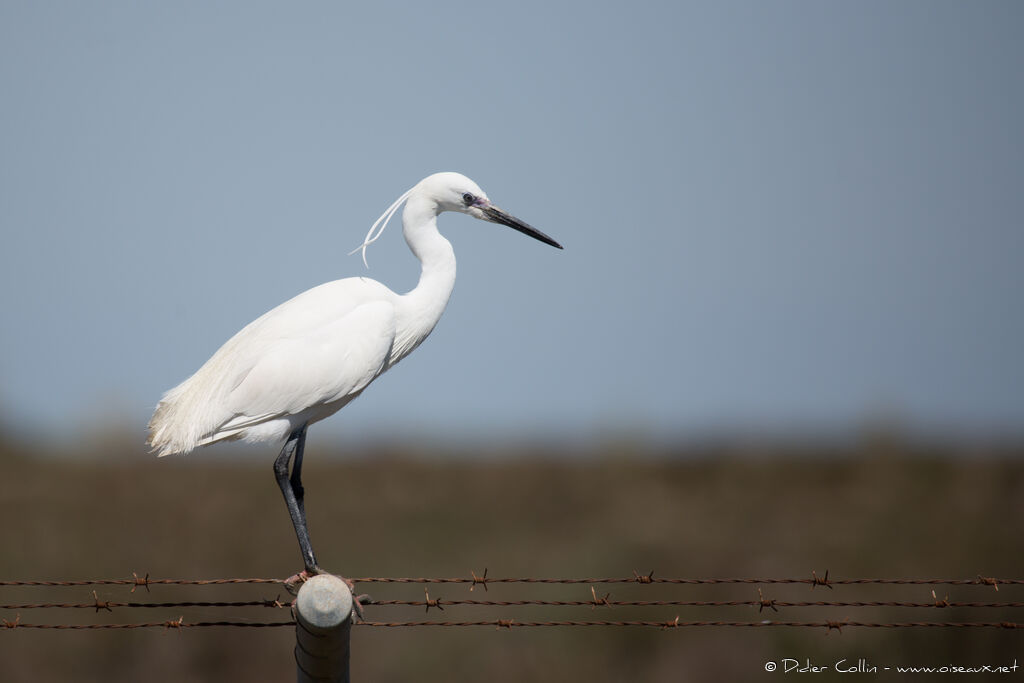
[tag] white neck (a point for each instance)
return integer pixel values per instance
(419, 225)
(422, 307)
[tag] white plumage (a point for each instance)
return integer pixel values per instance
(307, 358)
(298, 363)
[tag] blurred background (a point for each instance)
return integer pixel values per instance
(784, 334)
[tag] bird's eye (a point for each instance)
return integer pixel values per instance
(468, 199)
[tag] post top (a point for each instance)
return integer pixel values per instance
(324, 602)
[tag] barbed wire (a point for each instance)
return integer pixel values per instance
(814, 580)
(109, 606)
(676, 623)
(679, 603)
(176, 624)
(601, 602)
(138, 581)
(512, 623)
(474, 581)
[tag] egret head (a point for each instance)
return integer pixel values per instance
(455, 192)
(452, 192)
(449, 191)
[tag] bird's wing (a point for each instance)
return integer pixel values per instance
(335, 361)
(321, 346)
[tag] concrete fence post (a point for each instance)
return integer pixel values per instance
(323, 622)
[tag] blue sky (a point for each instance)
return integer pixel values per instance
(781, 215)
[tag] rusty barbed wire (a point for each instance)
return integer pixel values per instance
(138, 582)
(180, 623)
(676, 623)
(601, 602)
(595, 600)
(484, 580)
(172, 624)
(679, 603)
(832, 582)
(108, 606)
(813, 580)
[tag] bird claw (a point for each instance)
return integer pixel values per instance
(357, 600)
(357, 604)
(294, 582)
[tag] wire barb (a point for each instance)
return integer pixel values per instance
(597, 602)
(482, 580)
(275, 603)
(140, 582)
(763, 602)
(989, 581)
(837, 625)
(431, 603)
(817, 581)
(643, 578)
(100, 605)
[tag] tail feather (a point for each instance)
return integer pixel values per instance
(192, 413)
(183, 419)
(168, 434)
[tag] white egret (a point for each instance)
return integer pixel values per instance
(307, 358)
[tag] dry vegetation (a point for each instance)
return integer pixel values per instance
(878, 510)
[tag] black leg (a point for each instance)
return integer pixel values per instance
(296, 478)
(293, 493)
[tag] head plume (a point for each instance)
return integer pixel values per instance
(374, 234)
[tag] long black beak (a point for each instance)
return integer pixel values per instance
(496, 215)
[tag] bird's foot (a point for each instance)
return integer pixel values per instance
(357, 604)
(357, 600)
(294, 582)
